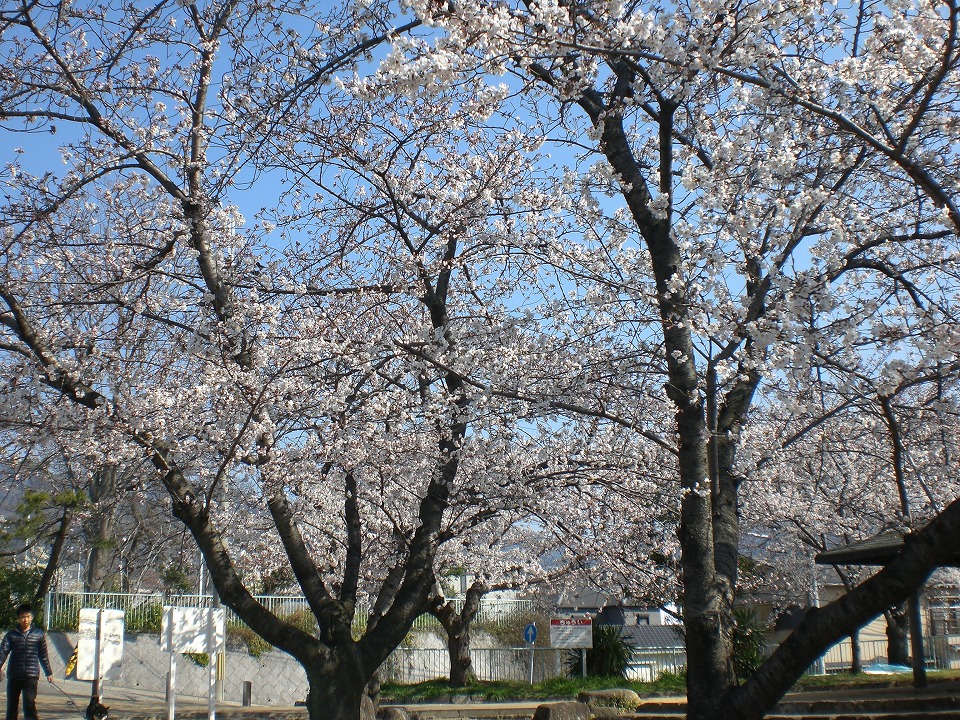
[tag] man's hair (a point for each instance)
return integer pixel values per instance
(24, 609)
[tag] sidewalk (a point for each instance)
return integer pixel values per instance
(133, 704)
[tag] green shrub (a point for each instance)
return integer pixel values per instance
(302, 619)
(240, 633)
(176, 580)
(146, 618)
(674, 683)
(508, 630)
(199, 659)
(749, 642)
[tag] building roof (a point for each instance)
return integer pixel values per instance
(878, 550)
(584, 599)
(647, 637)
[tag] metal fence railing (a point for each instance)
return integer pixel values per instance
(648, 664)
(941, 652)
(143, 612)
(413, 665)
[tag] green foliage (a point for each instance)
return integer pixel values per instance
(18, 584)
(749, 642)
(673, 683)
(30, 516)
(508, 631)
(175, 580)
(240, 634)
(302, 620)
(200, 659)
(277, 580)
(609, 657)
(553, 689)
(146, 618)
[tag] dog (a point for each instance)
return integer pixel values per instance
(96, 710)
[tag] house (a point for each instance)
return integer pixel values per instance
(608, 609)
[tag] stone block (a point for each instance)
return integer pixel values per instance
(367, 710)
(562, 711)
(393, 713)
(619, 698)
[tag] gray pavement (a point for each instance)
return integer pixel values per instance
(67, 699)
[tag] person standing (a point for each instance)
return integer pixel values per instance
(27, 648)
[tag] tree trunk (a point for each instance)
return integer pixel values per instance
(100, 570)
(336, 692)
(458, 646)
(457, 627)
(56, 551)
(856, 658)
(898, 647)
(707, 591)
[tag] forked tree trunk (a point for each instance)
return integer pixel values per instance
(707, 592)
(457, 627)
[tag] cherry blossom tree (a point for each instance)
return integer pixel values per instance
(730, 200)
(275, 382)
(780, 206)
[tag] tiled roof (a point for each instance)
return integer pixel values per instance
(653, 636)
(878, 550)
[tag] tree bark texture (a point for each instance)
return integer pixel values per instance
(898, 647)
(707, 594)
(56, 552)
(335, 692)
(101, 569)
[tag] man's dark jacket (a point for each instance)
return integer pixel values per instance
(27, 653)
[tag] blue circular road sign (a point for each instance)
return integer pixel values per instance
(530, 633)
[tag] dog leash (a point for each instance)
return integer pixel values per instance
(72, 701)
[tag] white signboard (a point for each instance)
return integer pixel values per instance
(100, 647)
(571, 632)
(193, 630)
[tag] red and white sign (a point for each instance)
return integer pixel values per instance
(571, 632)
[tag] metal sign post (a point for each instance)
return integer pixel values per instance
(193, 630)
(212, 667)
(100, 647)
(530, 635)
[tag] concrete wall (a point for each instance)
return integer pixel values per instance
(277, 679)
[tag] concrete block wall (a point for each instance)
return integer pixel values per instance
(277, 679)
